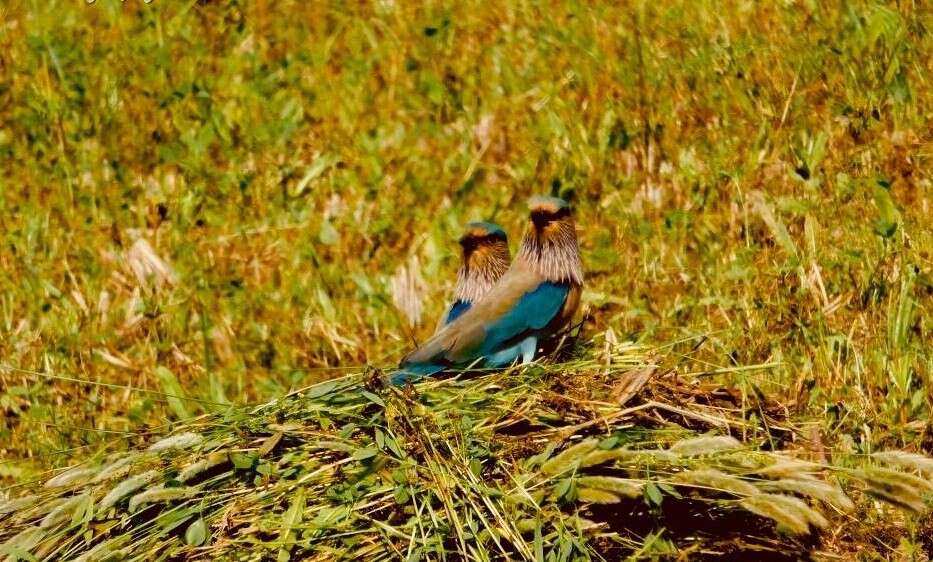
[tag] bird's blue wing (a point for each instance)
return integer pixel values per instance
(413, 373)
(456, 309)
(533, 311)
(514, 310)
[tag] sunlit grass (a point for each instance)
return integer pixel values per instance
(203, 205)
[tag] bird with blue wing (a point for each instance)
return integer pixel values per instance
(485, 259)
(535, 298)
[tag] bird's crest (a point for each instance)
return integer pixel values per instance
(480, 231)
(550, 205)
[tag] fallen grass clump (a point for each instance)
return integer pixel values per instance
(505, 465)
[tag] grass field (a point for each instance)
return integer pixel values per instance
(207, 205)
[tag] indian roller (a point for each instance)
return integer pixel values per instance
(485, 258)
(534, 299)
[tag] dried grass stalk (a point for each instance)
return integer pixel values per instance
(148, 267)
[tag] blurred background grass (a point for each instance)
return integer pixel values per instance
(205, 203)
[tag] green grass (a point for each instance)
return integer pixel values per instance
(751, 181)
(470, 469)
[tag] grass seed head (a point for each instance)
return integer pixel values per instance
(159, 494)
(909, 461)
(569, 458)
(73, 477)
(116, 469)
(184, 440)
(792, 513)
(706, 445)
(595, 495)
(717, 480)
(825, 492)
(63, 511)
(619, 486)
(126, 488)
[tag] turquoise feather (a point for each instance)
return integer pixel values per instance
(456, 309)
(505, 339)
(531, 313)
(496, 332)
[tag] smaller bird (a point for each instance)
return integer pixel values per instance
(532, 301)
(485, 258)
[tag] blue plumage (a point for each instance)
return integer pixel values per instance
(413, 373)
(534, 299)
(456, 309)
(533, 311)
(512, 336)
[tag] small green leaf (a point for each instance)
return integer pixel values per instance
(888, 215)
(401, 495)
(373, 398)
(367, 453)
(196, 535)
(609, 442)
(392, 445)
(670, 490)
(653, 494)
(242, 461)
(563, 489)
(319, 390)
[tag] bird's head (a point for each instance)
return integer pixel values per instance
(485, 258)
(550, 243)
(482, 238)
(549, 216)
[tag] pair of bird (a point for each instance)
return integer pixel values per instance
(504, 310)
